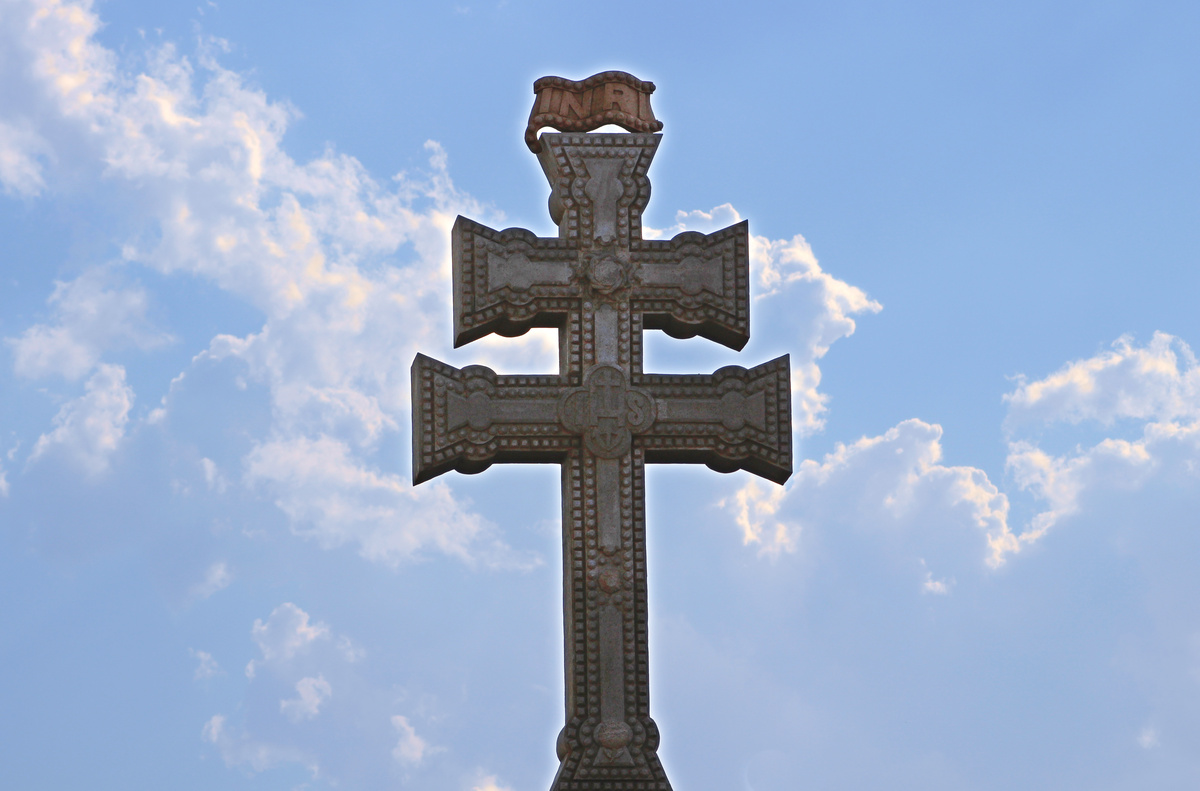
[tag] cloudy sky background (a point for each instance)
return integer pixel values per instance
(225, 236)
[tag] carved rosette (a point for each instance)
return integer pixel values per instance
(606, 411)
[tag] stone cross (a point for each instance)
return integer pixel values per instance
(601, 417)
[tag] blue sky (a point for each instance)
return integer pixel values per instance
(975, 230)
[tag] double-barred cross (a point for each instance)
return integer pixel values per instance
(601, 417)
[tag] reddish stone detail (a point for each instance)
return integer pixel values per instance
(610, 97)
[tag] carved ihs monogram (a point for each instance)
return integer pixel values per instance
(601, 417)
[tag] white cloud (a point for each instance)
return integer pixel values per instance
(930, 585)
(92, 314)
(20, 148)
(1157, 382)
(352, 652)
(90, 428)
(720, 217)
(3, 483)
(351, 276)
(212, 476)
(410, 749)
(891, 486)
(216, 578)
(489, 783)
(311, 693)
(1155, 388)
(75, 70)
(333, 497)
(757, 506)
(820, 309)
(286, 633)
(207, 667)
(241, 750)
(1147, 738)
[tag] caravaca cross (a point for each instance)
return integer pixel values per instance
(601, 417)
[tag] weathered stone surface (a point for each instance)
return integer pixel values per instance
(601, 417)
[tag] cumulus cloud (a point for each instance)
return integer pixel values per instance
(489, 783)
(896, 478)
(90, 428)
(930, 585)
(819, 309)
(794, 295)
(213, 477)
(1155, 388)
(335, 498)
(719, 217)
(239, 749)
(20, 149)
(343, 320)
(893, 485)
(92, 314)
(292, 645)
(286, 633)
(410, 748)
(1156, 382)
(206, 667)
(351, 651)
(1147, 738)
(216, 578)
(311, 693)
(351, 275)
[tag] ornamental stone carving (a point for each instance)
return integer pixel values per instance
(601, 417)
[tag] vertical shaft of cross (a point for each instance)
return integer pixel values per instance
(610, 739)
(608, 708)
